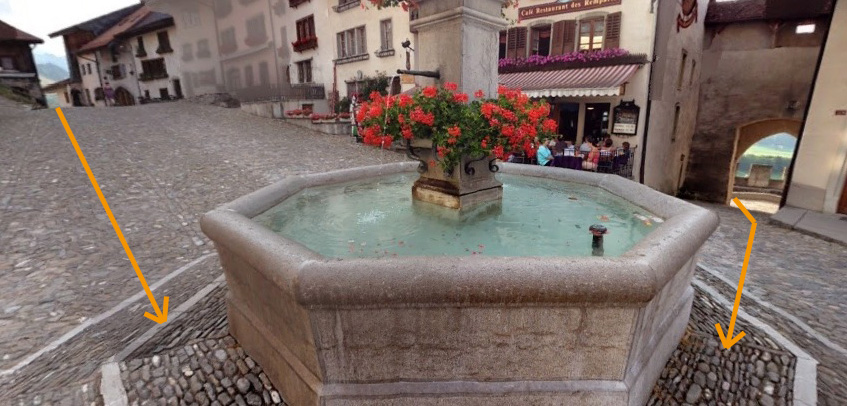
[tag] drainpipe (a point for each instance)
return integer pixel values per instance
(273, 41)
(136, 74)
(649, 97)
(790, 173)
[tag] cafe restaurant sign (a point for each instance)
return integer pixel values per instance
(561, 7)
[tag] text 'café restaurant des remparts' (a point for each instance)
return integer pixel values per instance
(589, 60)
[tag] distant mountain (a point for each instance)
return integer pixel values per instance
(43, 58)
(51, 72)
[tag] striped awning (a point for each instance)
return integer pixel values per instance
(597, 81)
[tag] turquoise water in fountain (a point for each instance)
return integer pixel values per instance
(377, 218)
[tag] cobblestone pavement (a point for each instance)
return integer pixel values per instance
(196, 361)
(160, 167)
(795, 272)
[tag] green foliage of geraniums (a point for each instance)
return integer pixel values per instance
(458, 128)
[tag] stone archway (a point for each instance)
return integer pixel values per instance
(123, 97)
(748, 134)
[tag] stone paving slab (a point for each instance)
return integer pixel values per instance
(825, 225)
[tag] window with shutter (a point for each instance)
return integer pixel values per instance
(503, 42)
(613, 31)
(540, 44)
(591, 33)
(517, 43)
(563, 37)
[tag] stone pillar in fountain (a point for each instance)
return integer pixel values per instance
(459, 38)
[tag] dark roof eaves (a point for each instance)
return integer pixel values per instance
(117, 14)
(144, 29)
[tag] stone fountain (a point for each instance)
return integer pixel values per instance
(447, 330)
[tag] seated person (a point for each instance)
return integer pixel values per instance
(569, 149)
(586, 146)
(590, 162)
(544, 155)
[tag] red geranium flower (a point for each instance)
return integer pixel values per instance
(430, 91)
(451, 86)
(454, 131)
(460, 98)
(479, 94)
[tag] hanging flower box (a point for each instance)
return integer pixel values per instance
(305, 44)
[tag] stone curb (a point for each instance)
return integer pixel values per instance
(805, 377)
(788, 316)
(111, 385)
(100, 317)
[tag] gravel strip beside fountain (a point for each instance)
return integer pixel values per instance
(699, 371)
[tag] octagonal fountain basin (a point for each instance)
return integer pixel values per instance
(348, 292)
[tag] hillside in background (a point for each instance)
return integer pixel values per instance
(51, 73)
(51, 68)
(43, 58)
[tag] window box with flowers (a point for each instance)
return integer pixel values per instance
(572, 60)
(295, 3)
(330, 118)
(455, 141)
(299, 113)
(305, 44)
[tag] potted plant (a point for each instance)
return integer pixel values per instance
(453, 126)
(455, 140)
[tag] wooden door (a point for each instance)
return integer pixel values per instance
(842, 204)
(123, 97)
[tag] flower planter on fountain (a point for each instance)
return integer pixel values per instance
(470, 183)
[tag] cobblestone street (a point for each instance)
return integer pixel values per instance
(797, 273)
(160, 167)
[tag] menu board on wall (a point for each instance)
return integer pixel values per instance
(561, 7)
(625, 118)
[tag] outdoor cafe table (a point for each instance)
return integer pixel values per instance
(570, 162)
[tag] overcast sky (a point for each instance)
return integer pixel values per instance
(42, 17)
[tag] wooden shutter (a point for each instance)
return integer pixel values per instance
(516, 46)
(613, 31)
(563, 37)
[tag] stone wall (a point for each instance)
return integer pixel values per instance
(674, 81)
(750, 73)
(818, 182)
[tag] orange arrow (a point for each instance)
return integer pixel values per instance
(161, 314)
(727, 339)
